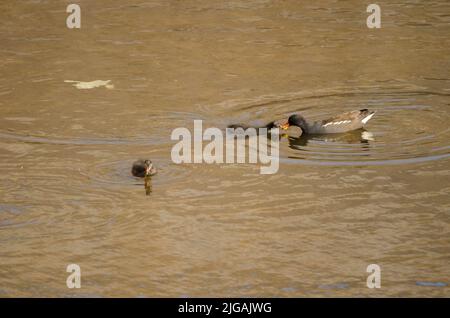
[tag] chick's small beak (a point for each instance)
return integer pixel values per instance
(285, 126)
(149, 169)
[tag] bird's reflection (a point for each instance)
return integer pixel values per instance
(148, 184)
(360, 136)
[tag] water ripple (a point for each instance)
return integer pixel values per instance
(406, 129)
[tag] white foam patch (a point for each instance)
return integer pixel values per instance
(92, 84)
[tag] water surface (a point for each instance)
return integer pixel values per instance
(337, 204)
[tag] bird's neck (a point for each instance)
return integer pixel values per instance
(304, 126)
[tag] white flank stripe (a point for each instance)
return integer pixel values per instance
(337, 122)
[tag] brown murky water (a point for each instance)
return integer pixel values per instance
(336, 205)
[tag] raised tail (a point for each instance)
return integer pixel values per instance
(366, 115)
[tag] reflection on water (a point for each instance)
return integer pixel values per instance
(333, 145)
(148, 185)
(337, 203)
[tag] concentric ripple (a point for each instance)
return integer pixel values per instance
(410, 124)
(117, 173)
